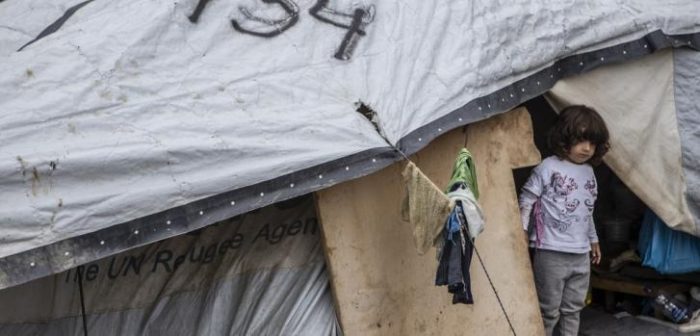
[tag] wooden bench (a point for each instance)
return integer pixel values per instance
(612, 284)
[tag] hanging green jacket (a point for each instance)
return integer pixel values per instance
(464, 171)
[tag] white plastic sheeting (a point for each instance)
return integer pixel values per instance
(121, 115)
(258, 274)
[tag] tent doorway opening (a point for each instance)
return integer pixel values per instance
(629, 235)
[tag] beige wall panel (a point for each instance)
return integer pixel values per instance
(383, 287)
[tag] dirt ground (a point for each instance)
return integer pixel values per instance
(596, 322)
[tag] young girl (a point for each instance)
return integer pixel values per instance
(559, 198)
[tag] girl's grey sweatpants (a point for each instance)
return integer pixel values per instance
(561, 280)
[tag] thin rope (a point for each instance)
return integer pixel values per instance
(371, 115)
(82, 300)
(402, 154)
(466, 135)
(494, 290)
(391, 144)
(481, 261)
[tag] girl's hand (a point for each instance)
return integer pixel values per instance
(595, 253)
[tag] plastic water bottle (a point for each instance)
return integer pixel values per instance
(675, 310)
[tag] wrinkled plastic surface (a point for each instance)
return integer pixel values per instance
(123, 109)
(260, 274)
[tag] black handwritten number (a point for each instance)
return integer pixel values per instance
(279, 26)
(52, 28)
(198, 11)
(355, 23)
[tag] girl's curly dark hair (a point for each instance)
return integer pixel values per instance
(578, 123)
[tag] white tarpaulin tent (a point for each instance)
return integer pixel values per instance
(260, 273)
(127, 122)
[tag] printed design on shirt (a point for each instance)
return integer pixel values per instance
(589, 204)
(561, 190)
(571, 205)
(568, 218)
(562, 226)
(591, 187)
(562, 185)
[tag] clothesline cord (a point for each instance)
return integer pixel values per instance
(481, 261)
(402, 153)
(466, 134)
(494, 290)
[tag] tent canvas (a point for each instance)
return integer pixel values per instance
(650, 105)
(125, 117)
(261, 273)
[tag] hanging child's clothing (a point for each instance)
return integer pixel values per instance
(470, 209)
(455, 259)
(425, 206)
(461, 228)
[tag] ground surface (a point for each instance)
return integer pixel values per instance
(595, 322)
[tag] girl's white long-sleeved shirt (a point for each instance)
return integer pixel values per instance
(563, 194)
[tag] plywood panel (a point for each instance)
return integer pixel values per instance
(383, 287)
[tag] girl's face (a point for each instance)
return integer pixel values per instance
(581, 152)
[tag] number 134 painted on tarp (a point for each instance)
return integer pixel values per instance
(355, 23)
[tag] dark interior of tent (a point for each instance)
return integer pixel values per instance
(623, 283)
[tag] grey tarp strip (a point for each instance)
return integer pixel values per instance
(66, 254)
(686, 83)
(525, 89)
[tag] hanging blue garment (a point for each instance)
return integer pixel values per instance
(453, 224)
(455, 258)
(666, 250)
